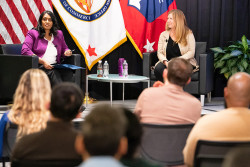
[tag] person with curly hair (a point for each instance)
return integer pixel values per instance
(29, 109)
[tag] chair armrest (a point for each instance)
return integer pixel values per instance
(206, 73)
(146, 63)
(149, 59)
(11, 69)
(74, 59)
(18, 61)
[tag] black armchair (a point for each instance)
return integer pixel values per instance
(201, 81)
(13, 64)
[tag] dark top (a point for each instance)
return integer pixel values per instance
(137, 162)
(173, 49)
(55, 142)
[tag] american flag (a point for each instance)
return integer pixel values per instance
(18, 16)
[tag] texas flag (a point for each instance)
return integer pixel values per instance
(144, 21)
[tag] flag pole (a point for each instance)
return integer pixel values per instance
(86, 97)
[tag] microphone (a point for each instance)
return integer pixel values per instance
(56, 46)
(166, 40)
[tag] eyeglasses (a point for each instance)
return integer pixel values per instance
(47, 19)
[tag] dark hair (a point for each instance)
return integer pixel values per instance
(54, 27)
(66, 100)
(179, 71)
(133, 133)
(102, 130)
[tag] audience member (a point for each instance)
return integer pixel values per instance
(170, 104)
(102, 141)
(134, 135)
(57, 141)
(231, 124)
(32, 95)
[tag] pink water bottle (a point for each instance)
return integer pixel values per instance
(120, 66)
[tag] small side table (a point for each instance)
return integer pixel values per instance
(115, 78)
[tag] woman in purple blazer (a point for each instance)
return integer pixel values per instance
(47, 42)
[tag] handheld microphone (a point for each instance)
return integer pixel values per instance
(166, 40)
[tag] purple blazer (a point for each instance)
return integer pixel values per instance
(35, 45)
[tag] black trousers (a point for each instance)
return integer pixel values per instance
(159, 68)
(58, 75)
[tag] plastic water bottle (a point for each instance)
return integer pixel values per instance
(106, 69)
(99, 69)
(120, 66)
(125, 69)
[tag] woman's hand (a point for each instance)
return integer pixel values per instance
(47, 65)
(165, 62)
(68, 53)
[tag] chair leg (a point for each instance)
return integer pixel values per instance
(209, 97)
(3, 162)
(202, 100)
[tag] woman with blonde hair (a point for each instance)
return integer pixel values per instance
(29, 109)
(176, 41)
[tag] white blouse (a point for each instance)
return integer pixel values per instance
(51, 52)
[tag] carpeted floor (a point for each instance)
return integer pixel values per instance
(216, 104)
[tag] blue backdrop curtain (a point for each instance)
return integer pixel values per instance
(215, 21)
